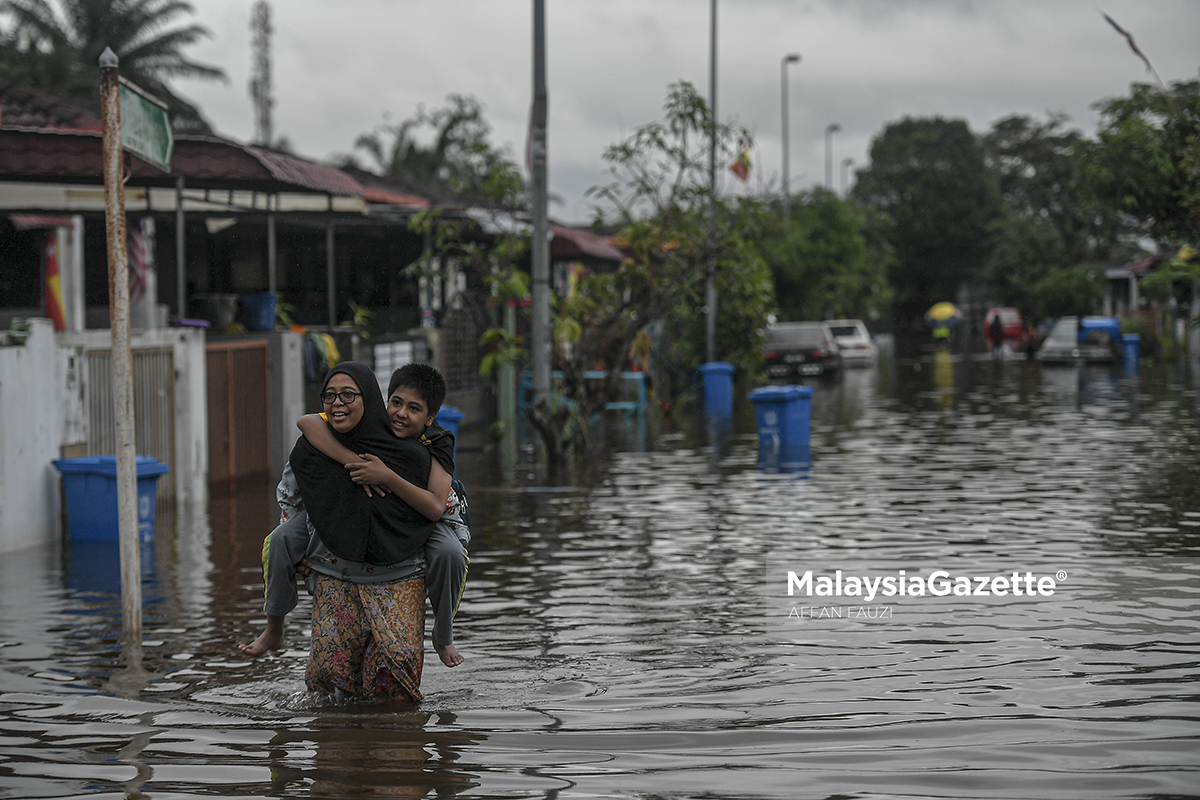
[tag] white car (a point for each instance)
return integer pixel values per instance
(854, 341)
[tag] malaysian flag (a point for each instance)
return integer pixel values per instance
(137, 261)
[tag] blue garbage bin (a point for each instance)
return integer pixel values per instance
(258, 311)
(449, 417)
(1131, 344)
(718, 388)
(90, 484)
(784, 420)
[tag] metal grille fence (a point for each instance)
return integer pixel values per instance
(153, 408)
(461, 329)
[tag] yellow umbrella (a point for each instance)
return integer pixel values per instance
(943, 314)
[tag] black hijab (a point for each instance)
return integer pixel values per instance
(374, 530)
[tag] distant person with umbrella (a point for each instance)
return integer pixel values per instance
(941, 317)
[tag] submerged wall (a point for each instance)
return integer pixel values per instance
(32, 373)
(45, 389)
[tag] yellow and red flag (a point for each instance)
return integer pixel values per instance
(54, 297)
(741, 166)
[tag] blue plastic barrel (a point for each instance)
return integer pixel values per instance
(784, 416)
(718, 388)
(449, 417)
(90, 484)
(1131, 346)
(258, 311)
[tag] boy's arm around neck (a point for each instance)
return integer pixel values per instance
(316, 430)
(429, 503)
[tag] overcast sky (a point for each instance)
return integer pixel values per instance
(342, 66)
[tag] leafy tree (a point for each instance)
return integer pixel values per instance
(60, 49)
(1048, 222)
(1069, 291)
(1140, 163)
(650, 307)
(820, 259)
(458, 162)
(929, 183)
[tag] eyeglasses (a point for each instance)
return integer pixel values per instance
(346, 397)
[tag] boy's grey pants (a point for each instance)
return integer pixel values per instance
(445, 571)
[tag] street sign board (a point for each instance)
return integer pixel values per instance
(145, 127)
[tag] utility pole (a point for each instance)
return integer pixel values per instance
(540, 250)
(710, 289)
(122, 360)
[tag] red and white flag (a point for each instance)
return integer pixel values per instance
(137, 261)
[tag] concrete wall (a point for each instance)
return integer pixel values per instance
(287, 394)
(43, 392)
(32, 377)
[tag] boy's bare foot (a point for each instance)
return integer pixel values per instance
(270, 639)
(448, 654)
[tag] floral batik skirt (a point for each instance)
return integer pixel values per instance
(367, 638)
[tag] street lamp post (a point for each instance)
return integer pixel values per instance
(710, 289)
(790, 58)
(846, 164)
(830, 129)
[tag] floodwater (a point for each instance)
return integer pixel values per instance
(625, 638)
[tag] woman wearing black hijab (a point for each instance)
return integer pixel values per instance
(369, 594)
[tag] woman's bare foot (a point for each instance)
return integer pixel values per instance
(448, 654)
(270, 639)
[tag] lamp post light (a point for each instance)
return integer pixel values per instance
(830, 129)
(790, 58)
(846, 164)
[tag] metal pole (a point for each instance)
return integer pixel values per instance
(830, 129)
(790, 58)
(122, 376)
(180, 252)
(846, 163)
(710, 289)
(540, 351)
(271, 244)
(330, 282)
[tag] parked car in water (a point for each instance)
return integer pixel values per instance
(1089, 339)
(1012, 329)
(853, 341)
(800, 348)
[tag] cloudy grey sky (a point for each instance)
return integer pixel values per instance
(341, 66)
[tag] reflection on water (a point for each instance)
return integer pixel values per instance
(617, 640)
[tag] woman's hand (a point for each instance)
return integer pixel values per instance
(370, 472)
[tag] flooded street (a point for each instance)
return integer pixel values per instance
(624, 638)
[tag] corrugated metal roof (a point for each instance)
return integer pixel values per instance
(77, 156)
(33, 108)
(377, 194)
(298, 172)
(572, 242)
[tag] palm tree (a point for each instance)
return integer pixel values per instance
(136, 30)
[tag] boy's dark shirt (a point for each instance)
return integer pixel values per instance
(441, 445)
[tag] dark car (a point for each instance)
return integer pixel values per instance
(800, 348)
